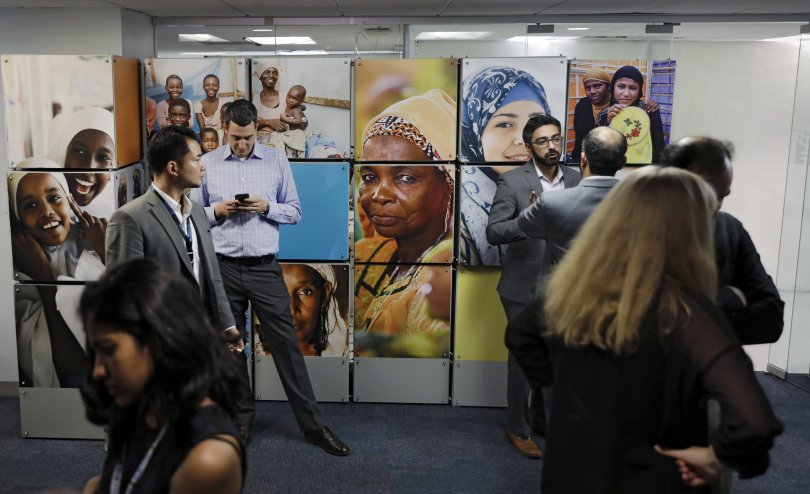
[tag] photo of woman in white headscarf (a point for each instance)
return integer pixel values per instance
(319, 307)
(84, 140)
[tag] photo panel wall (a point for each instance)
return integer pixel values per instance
(192, 92)
(60, 111)
(406, 109)
(304, 105)
(498, 96)
(634, 97)
(323, 232)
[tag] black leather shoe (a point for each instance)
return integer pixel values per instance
(328, 441)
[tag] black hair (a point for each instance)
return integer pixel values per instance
(605, 149)
(168, 144)
(536, 122)
(241, 112)
(706, 154)
(179, 102)
(174, 76)
(161, 309)
(208, 130)
(211, 75)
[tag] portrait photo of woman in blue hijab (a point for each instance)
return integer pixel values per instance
(498, 99)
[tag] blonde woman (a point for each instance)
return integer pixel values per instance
(636, 345)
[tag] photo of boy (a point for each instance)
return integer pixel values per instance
(174, 89)
(294, 138)
(209, 139)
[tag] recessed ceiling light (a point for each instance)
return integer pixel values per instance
(578, 28)
(441, 35)
(785, 39)
(281, 40)
(262, 30)
(302, 52)
(201, 38)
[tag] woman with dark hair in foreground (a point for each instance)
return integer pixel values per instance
(635, 345)
(160, 382)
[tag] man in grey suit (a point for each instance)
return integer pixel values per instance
(163, 224)
(517, 189)
(556, 217)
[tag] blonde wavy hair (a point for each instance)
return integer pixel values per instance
(652, 234)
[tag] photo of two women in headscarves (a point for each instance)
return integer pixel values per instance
(304, 106)
(319, 304)
(632, 96)
(192, 92)
(59, 121)
(498, 96)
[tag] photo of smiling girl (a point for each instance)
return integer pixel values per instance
(83, 141)
(48, 247)
(206, 111)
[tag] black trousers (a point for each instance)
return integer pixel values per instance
(263, 286)
(524, 403)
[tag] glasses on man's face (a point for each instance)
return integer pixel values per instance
(543, 141)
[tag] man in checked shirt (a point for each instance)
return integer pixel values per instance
(247, 192)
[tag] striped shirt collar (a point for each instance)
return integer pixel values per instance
(255, 154)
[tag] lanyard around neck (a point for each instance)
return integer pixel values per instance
(115, 483)
(185, 233)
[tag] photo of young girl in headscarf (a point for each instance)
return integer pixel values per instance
(498, 97)
(406, 110)
(319, 298)
(49, 247)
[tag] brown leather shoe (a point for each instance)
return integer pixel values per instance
(525, 446)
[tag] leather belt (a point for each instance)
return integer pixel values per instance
(248, 261)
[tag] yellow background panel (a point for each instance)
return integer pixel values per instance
(480, 321)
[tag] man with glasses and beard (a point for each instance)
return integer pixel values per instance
(517, 190)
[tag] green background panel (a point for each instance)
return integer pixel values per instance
(480, 320)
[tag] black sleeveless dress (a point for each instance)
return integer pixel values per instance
(206, 423)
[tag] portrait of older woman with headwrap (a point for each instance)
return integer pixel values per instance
(627, 114)
(419, 128)
(411, 210)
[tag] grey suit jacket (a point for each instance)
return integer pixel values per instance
(144, 228)
(558, 215)
(524, 257)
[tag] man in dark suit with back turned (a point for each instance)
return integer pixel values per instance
(163, 224)
(557, 216)
(517, 189)
(746, 293)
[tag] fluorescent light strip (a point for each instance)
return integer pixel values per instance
(281, 40)
(201, 38)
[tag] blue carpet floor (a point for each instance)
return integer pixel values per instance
(395, 448)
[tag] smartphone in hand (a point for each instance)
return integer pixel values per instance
(241, 197)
